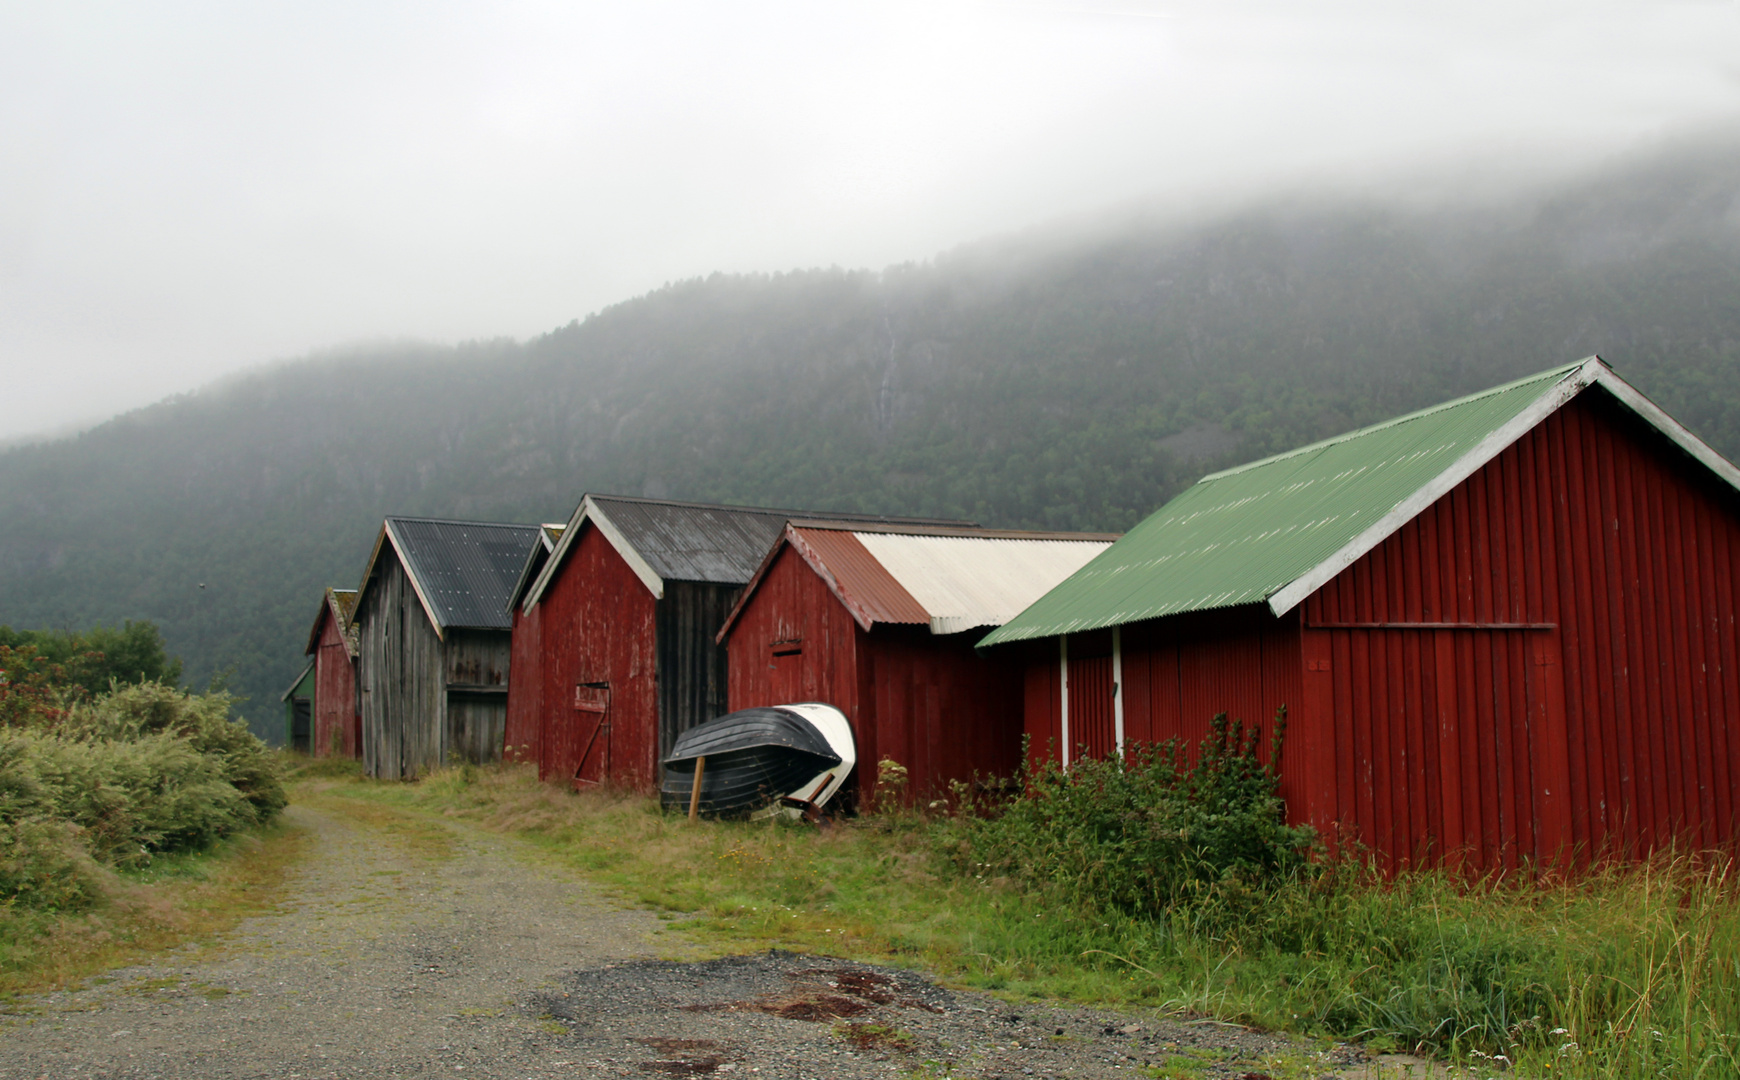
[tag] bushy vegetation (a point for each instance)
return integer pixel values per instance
(1142, 835)
(92, 660)
(88, 785)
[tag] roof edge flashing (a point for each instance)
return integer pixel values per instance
(642, 569)
(590, 511)
(1678, 433)
(411, 576)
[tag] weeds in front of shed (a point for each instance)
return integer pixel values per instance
(1628, 972)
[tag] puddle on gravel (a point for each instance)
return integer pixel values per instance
(788, 1014)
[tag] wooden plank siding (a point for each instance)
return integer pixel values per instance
(476, 665)
(1541, 666)
(337, 723)
(523, 735)
(400, 675)
(692, 666)
(600, 688)
(1177, 674)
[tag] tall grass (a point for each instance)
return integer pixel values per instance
(1629, 972)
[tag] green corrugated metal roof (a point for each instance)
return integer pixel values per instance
(1243, 535)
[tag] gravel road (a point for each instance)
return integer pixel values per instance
(400, 958)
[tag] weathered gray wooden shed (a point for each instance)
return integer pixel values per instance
(435, 641)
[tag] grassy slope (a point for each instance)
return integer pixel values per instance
(1628, 975)
(177, 899)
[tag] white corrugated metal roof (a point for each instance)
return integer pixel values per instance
(971, 581)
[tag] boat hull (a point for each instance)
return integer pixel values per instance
(762, 761)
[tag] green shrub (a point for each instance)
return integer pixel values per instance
(141, 770)
(131, 799)
(43, 866)
(1148, 831)
(203, 721)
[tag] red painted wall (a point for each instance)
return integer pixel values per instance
(597, 627)
(1579, 690)
(927, 702)
(523, 739)
(1609, 725)
(335, 713)
(1178, 673)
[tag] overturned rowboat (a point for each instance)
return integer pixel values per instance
(788, 759)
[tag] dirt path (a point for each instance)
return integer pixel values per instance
(423, 948)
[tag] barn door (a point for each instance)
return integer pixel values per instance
(591, 734)
(1449, 742)
(300, 711)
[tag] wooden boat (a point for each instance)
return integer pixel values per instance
(784, 759)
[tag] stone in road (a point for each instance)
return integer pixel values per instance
(459, 958)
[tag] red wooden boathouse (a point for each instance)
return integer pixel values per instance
(332, 643)
(880, 622)
(1503, 628)
(626, 609)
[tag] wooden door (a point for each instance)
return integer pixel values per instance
(590, 742)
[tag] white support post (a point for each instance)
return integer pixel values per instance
(1118, 688)
(1063, 681)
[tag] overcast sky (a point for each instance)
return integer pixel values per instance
(187, 189)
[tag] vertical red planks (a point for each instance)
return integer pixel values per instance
(523, 739)
(597, 633)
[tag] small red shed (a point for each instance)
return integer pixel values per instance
(332, 643)
(1503, 628)
(626, 609)
(524, 734)
(879, 622)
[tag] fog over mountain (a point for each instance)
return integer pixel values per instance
(188, 188)
(1071, 378)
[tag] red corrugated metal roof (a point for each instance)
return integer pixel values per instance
(971, 577)
(867, 589)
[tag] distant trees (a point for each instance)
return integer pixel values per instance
(32, 662)
(1019, 383)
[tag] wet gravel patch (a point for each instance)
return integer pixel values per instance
(793, 1015)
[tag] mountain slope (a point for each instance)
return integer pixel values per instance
(1045, 382)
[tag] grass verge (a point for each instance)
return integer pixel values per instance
(1630, 974)
(178, 898)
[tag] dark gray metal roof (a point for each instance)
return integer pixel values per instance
(720, 545)
(548, 535)
(464, 570)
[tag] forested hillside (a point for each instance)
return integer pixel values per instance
(1038, 381)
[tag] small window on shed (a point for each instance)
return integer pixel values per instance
(788, 648)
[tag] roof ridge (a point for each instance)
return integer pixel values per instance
(896, 528)
(461, 521)
(790, 512)
(1561, 371)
